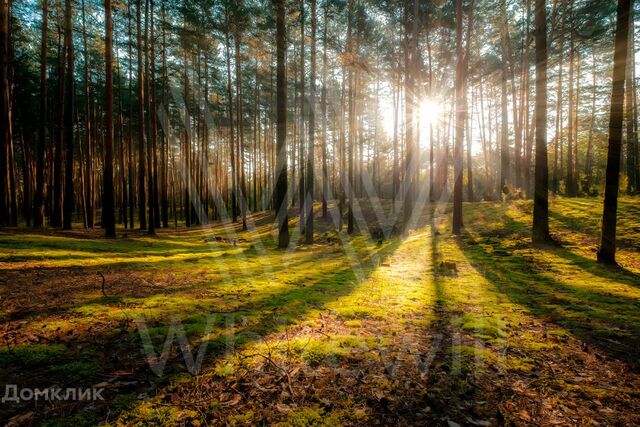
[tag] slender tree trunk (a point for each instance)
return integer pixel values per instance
(323, 102)
(607, 251)
(312, 129)
(56, 213)
(124, 198)
(281, 199)
(301, 140)
(630, 108)
(352, 120)
(571, 189)
(5, 111)
(130, 166)
(396, 154)
(234, 205)
(557, 146)
(588, 165)
(68, 119)
(108, 217)
(468, 117)
(460, 120)
(240, 126)
(164, 158)
(142, 199)
(411, 160)
(504, 131)
(154, 210)
(540, 233)
(88, 190)
(186, 150)
(38, 202)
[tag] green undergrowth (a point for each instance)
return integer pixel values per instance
(333, 302)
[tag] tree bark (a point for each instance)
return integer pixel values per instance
(312, 129)
(504, 130)
(460, 120)
(68, 119)
(630, 107)
(607, 251)
(540, 230)
(108, 217)
(281, 200)
(38, 201)
(142, 199)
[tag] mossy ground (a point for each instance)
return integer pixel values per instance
(420, 328)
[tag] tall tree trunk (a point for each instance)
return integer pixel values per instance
(242, 196)
(26, 179)
(234, 205)
(468, 116)
(152, 164)
(108, 216)
(571, 189)
(525, 96)
(540, 231)
(588, 165)
(323, 102)
(396, 154)
(88, 190)
(124, 198)
(130, 166)
(630, 108)
(301, 141)
(557, 146)
(312, 129)
(607, 251)
(38, 202)
(142, 199)
(68, 119)
(411, 103)
(5, 112)
(164, 158)
(504, 130)
(460, 120)
(56, 211)
(186, 149)
(352, 118)
(281, 200)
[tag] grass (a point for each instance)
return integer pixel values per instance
(426, 307)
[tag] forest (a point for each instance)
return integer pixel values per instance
(319, 212)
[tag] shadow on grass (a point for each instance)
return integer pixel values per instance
(620, 274)
(607, 322)
(120, 350)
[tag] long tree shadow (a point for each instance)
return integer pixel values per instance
(607, 322)
(619, 273)
(116, 349)
(573, 223)
(513, 228)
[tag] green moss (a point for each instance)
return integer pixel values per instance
(244, 419)
(148, 413)
(224, 370)
(484, 327)
(361, 313)
(317, 351)
(77, 370)
(311, 416)
(353, 323)
(31, 355)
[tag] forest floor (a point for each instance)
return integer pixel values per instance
(423, 328)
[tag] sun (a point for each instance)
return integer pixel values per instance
(430, 112)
